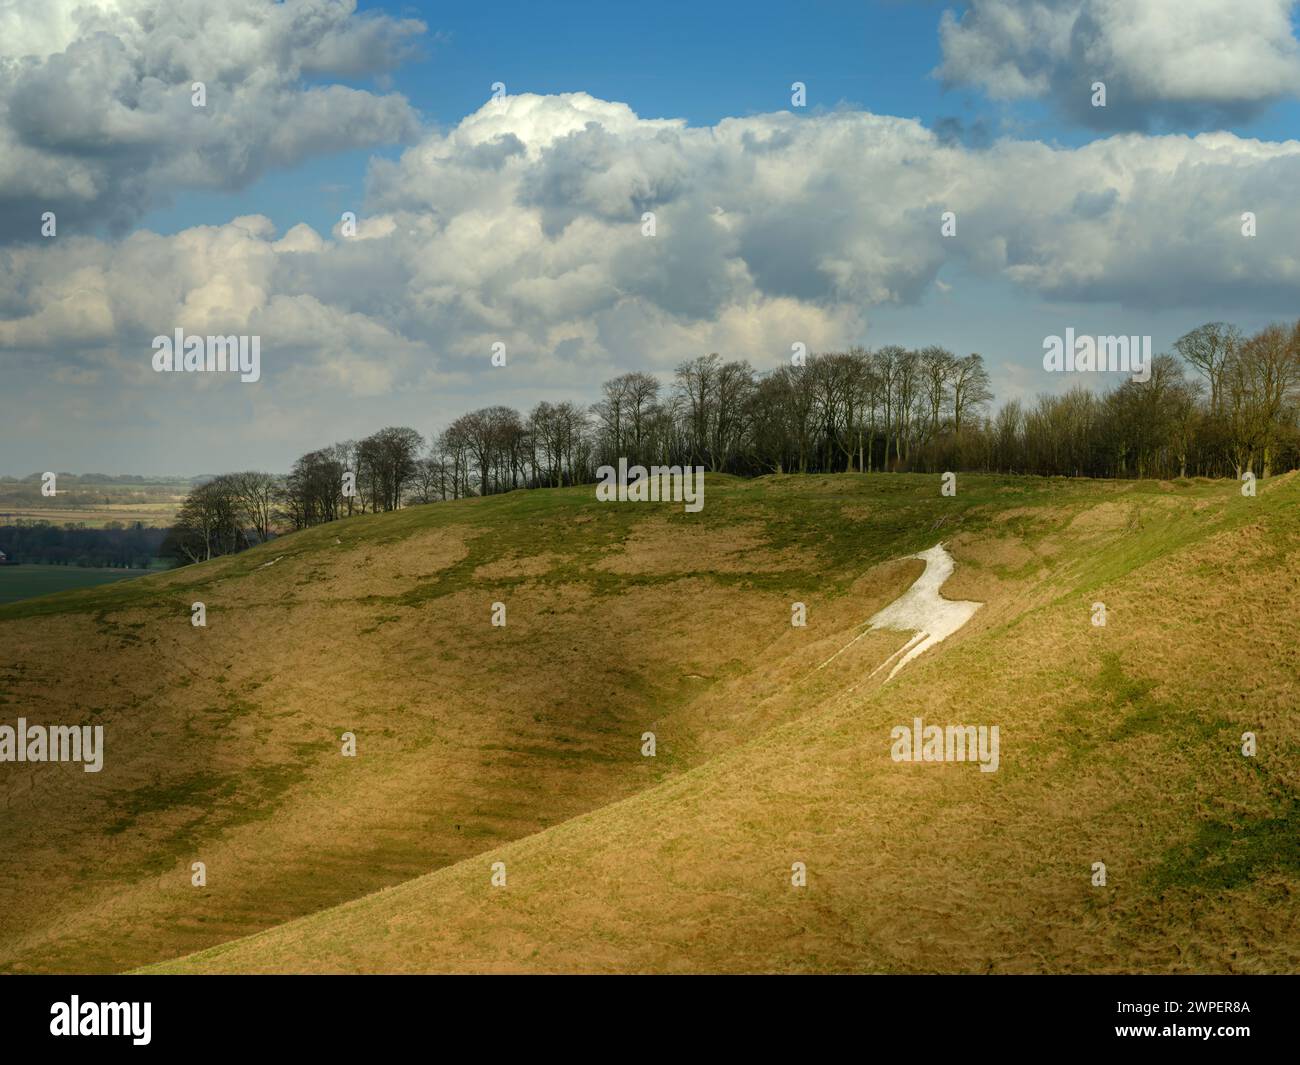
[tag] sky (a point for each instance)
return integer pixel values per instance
(500, 158)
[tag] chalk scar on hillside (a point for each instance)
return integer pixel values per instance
(920, 610)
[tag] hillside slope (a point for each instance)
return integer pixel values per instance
(1119, 744)
(223, 742)
(522, 744)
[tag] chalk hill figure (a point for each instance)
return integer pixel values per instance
(920, 610)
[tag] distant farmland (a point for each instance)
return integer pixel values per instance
(27, 582)
(94, 504)
(155, 515)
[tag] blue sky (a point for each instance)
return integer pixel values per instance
(701, 61)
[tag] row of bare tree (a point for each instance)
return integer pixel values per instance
(857, 410)
(848, 410)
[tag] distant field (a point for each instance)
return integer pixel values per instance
(27, 582)
(94, 505)
(157, 515)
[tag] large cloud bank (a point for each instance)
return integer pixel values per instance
(97, 115)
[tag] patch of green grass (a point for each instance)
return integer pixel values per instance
(23, 582)
(1086, 724)
(199, 790)
(1222, 855)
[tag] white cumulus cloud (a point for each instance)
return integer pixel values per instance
(1165, 63)
(97, 122)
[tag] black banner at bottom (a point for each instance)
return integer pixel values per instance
(342, 1014)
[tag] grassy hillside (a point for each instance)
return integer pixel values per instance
(522, 744)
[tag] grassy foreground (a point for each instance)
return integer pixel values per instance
(522, 744)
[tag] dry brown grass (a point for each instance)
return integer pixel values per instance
(919, 868)
(663, 547)
(521, 744)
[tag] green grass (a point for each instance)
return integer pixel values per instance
(29, 581)
(1224, 855)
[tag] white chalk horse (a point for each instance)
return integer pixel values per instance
(920, 610)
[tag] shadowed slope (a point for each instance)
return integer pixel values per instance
(223, 743)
